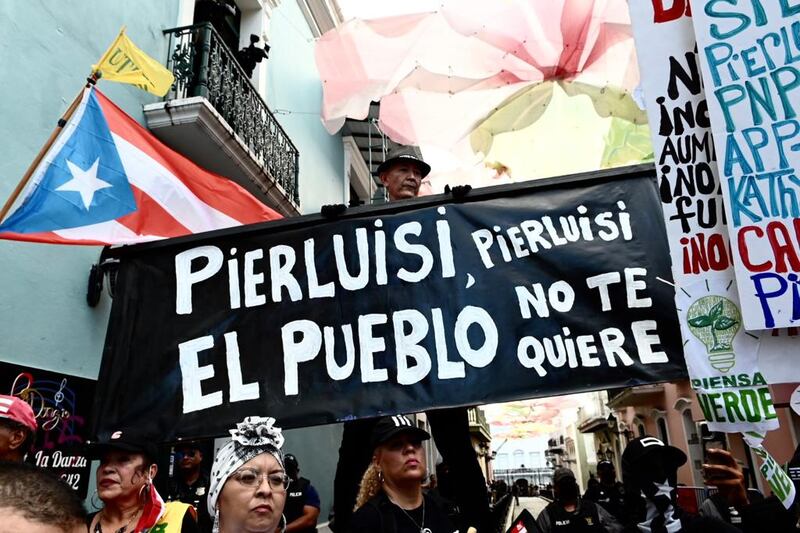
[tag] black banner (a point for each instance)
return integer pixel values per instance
(62, 405)
(538, 289)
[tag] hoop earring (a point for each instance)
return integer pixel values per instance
(144, 492)
(380, 476)
(283, 520)
(97, 506)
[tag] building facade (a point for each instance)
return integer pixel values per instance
(670, 412)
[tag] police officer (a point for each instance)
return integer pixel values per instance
(302, 500)
(190, 484)
(608, 492)
(568, 513)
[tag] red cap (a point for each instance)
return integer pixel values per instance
(17, 410)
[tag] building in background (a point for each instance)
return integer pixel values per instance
(600, 431)
(522, 459)
(255, 122)
(670, 411)
(481, 437)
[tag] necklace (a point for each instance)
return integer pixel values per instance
(422, 528)
(98, 528)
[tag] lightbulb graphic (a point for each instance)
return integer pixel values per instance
(715, 321)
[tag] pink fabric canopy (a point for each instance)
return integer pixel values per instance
(475, 69)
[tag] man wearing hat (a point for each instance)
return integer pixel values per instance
(402, 172)
(650, 475)
(302, 500)
(190, 482)
(607, 492)
(569, 513)
(17, 428)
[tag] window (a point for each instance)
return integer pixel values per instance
(535, 459)
(501, 461)
(224, 15)
(519, 459)
(663, 434)
(640, 428)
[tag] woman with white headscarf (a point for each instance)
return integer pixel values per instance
(248, 483)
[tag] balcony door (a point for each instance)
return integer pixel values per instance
(225, 16)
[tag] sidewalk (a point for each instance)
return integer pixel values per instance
(533, 504)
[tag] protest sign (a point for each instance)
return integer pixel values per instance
(62, 405)
(721, 358)
(749, 53)
(537, 289)
(779, 481)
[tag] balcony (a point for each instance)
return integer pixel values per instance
(216, 117)
(477, 424)
(642, 395)
(555, 446)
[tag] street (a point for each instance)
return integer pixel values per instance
(534, 505)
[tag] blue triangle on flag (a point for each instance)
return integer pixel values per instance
(84, 184)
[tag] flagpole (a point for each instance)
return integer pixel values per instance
(91, 80)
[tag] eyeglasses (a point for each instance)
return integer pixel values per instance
(253, 478)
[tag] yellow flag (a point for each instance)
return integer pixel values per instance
(126, 63)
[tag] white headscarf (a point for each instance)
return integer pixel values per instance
(253, 436)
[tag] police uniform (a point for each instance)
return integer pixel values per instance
(299, 494)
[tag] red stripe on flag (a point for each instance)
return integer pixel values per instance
(215, 190)
(151, 219)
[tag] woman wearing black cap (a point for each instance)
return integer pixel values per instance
(391, 497)
(125, 486)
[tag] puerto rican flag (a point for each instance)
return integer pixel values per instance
(107, 180)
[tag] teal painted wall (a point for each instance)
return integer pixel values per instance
(317, 450)
(294, 93)
(46, 52)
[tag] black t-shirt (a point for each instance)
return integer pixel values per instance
(374, 515)
(611, 498)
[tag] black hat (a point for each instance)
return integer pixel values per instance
(389, 426)
(561, 474)
(605, 463)
(643, 448)
(127, 441)
(405, 153)
(290, 462)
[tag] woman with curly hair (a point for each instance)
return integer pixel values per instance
(247, 489)
(391, 497)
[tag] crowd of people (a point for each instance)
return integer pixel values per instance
(382, 481)
(254, 487)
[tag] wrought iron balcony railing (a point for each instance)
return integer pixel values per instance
(204, 66)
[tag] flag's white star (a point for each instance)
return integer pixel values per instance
(84, 182)
(663, 489)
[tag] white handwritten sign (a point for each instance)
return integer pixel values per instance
(750, 54)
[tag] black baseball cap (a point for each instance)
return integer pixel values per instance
(561, 474)
(124, 440)
(404, 154)
(644, 448)
(389, 426)
(290, 462)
